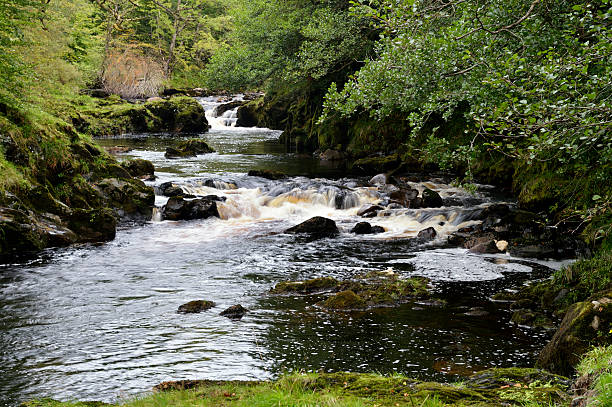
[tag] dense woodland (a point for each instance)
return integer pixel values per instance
(517, 93)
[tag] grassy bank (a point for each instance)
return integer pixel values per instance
(495, 387)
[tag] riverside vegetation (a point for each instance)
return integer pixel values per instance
(514, 93)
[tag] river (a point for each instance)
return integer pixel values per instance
(99, 321)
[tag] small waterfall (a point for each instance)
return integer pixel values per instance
(298, 199)
(227, 118)
(157, 214)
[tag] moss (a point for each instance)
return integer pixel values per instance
(344, 300)
(585, 323)
(305, 287)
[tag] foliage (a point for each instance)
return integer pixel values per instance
(535, 73)
(286, 41)
(598, 364)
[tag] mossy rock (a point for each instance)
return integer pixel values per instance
(139, 167)
(585, 324)
(194, 307)
(130, 198)
(344, 300)
(314, 285)
(498, 377)
(93, 225)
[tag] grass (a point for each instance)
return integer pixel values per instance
(598, 362)
(344, 390)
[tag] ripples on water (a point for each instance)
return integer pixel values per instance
(100, 322)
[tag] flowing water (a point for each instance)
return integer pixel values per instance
(100, 322)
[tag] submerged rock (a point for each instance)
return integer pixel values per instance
(344, 300)
(179, 208)
(364, 228)
(371, 290)
(189, 148)
(267, 174)
(317, 227)
(315, 285)
(193, 307)
(234, 312)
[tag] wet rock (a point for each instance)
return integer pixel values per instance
(267, 174)
(25, 231)
(229, 106)
(332, 155)
(534, 251)
(234, 312)
(431, 199)
(170, 189)
(345, 300)
(364, 228)
(427, 234)
(533, 319)
(315, 285)
(139, 167)
(369, 210)
(93, 225)
(577, 333)
(380, 179)
(485, 247)
(316, 227)
(179, 208)
(130, 198)
(407, 197)
(194, 307)
(188, 148)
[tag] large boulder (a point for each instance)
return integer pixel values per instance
(316, 227)
(25, 231)
(139, 168)
(407, 197)
(93, 225)
(130, 199)
(585, 324)
(431, 199)
(178, 115)
(178, 208)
